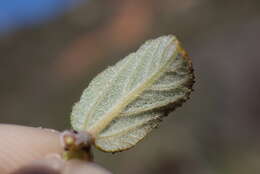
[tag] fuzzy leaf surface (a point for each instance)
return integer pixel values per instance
(128, 100)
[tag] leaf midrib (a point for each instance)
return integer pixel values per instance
(101, 124)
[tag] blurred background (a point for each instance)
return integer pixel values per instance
(51, 49)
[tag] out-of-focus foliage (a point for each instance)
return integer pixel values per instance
(44, 69)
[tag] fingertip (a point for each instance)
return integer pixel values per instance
(36, 170)
(50, 165)
(21, 145)
(59, 166)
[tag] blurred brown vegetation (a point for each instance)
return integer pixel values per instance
(45, 68)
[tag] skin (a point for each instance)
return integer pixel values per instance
(28, 147)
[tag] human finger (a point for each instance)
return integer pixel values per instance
(56, 165)
(20, 145)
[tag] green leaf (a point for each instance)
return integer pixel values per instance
(128, 100)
